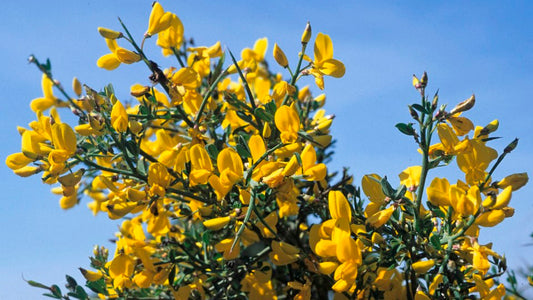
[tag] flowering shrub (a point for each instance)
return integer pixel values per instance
(218, 173)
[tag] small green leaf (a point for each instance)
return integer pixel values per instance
(56, 291)
(271, 107)
(82, 294)
(51, 296)
(98, 286)
(420, 108)
(172, 275)
(38, 284)
(245, 117)
(387, 188)
(109, 90)
(212, 151)
(435, 241)
(144, 110)
(400, 192)
(406, 129)
(243, 152)
(71, 283)
(263, 115)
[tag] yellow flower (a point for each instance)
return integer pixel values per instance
(121, 269)
(217, 223)
(304, 289)
(91, 275)
(271, 220)
(283, 253)
(230, 167)
(381, 217)
(465, 202)
(159, 20)
(480, 255)
(172, 37)
(158, 179)
(225, 246)
(117, 56)
(516, 181)
(288, 123)
(17, 161)
(490, 218)
(474, 163)
(423, 266)
(410, 177)
(109, 34)
(312, 170)
(324, 63)
(48, 100)
(201, 167)
(339, 206)
(279, 56)
(119, 117)
(348, 254)
(438, 192)
(461, 125)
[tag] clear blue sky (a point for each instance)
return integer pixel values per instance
(482, 47)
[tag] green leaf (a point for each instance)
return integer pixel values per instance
(271, 107)
(245, 117)
(143, 110)
(406, 129)
(152, 99)
(132, 148)
(420, 108)
(71, 283)
(81, 293)
(435, 241)
(243, 152)
(56, 291)
(141, 167)
(298, 158)
(98, 286)
(51, 296)
(387, 188)
(212, 151)
(172, 275)
(37, 284)
(263, 115)
(400, 192)
(109, 90)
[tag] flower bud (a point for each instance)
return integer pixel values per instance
(516, 181)
(139, 91)
(424, 79)
(217, 223)
(280, 57)
(76, 86)
(491, 127)
(413, 113)
(511, 146)
(306, 36)
(422, 267)
(464, 106)
(109, 34)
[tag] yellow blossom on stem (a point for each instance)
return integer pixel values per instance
(381, 217)
(48, 99)
(324, 63)
(159, 20)
(288, 123)
(119, 117)
(117, 56)
(158, 179)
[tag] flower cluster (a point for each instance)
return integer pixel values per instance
(218, 174)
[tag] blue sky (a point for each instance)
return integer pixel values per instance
(481, 47)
